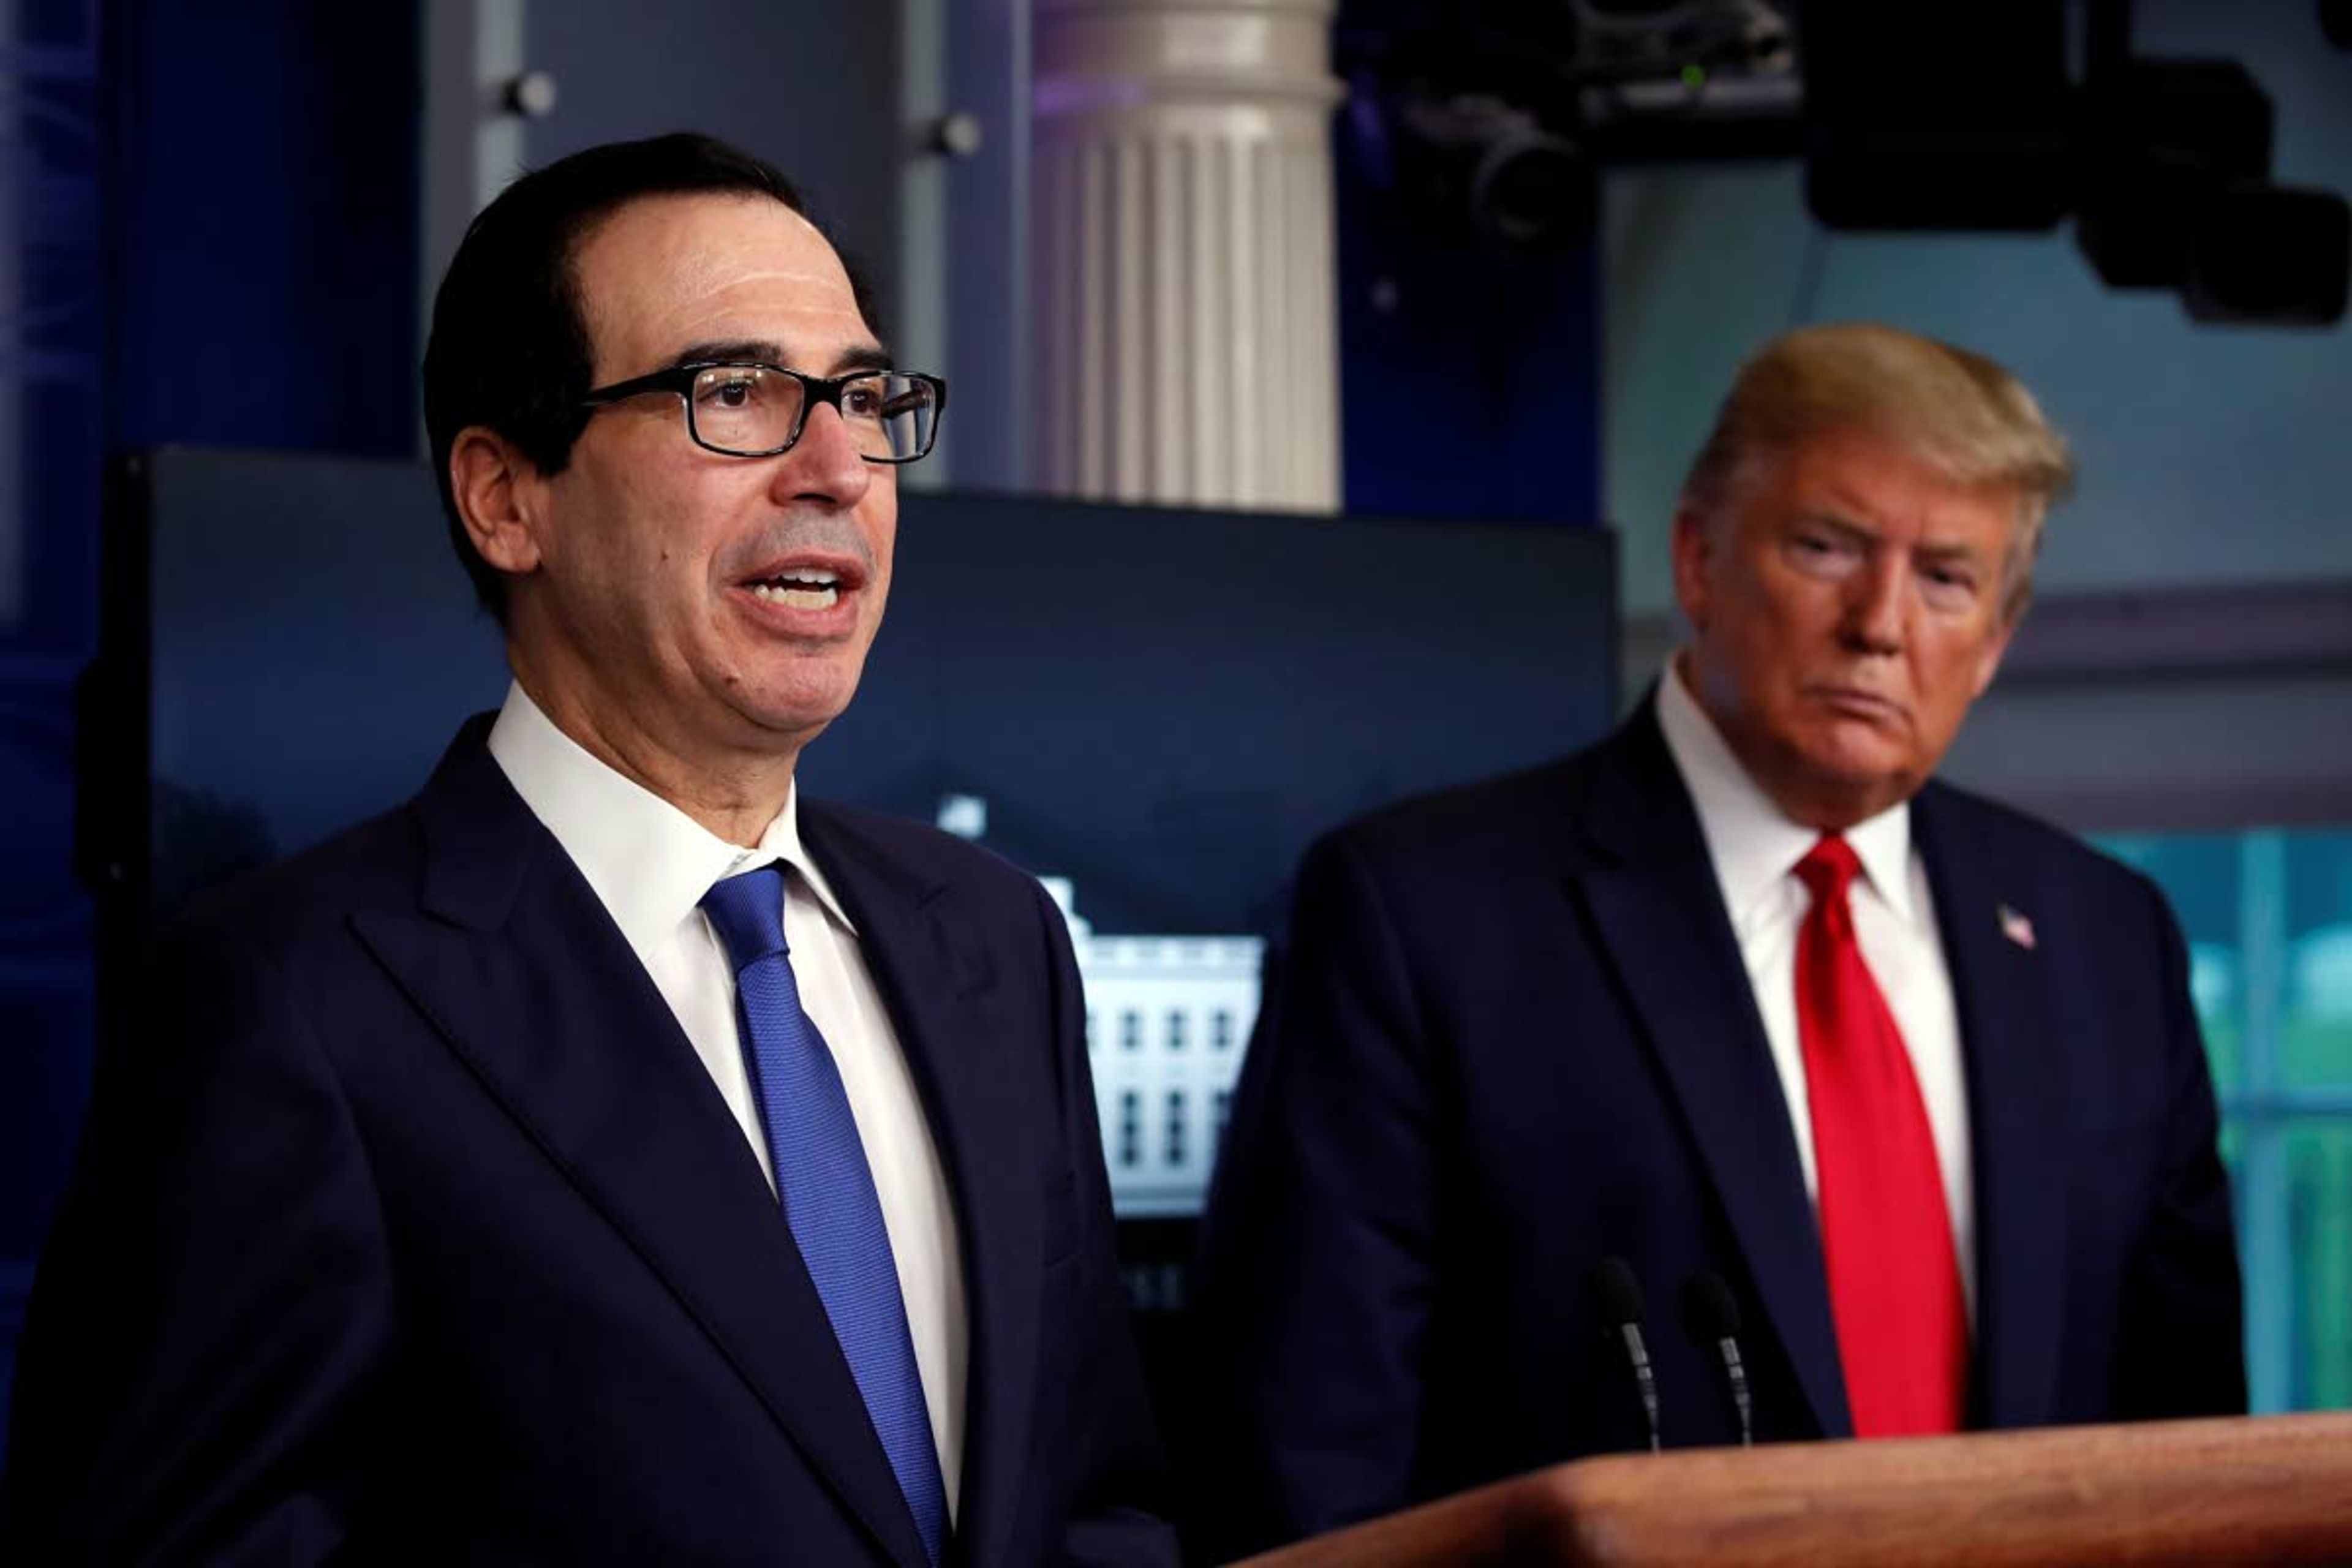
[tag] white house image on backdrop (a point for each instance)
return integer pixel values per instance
(1167, 1017)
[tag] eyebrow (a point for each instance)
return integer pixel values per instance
(1836, 519)
(865, 356)
(1844, 525)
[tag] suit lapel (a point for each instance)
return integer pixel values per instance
(1658, 913)
(942, 989)
(2000, 986)
(517, 965)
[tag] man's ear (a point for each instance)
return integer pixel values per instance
(501, 496)
(1693, 542)
(1996, 647)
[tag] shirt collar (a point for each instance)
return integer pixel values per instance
(1753, 845)
(648, 862)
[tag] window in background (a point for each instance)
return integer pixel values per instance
(2268, 915)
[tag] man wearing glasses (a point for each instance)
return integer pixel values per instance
(612, 1156)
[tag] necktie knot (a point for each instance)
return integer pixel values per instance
(747, 910)
(1829, 869)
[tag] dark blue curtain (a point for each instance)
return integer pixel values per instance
(212, 237)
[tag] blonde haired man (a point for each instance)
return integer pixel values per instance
(1745, 1001)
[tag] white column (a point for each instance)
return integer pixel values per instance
(472, 145)
(1186, 346)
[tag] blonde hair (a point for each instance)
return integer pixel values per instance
(1963, 416)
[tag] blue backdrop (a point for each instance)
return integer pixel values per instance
(213, 239)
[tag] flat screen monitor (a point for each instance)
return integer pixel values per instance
(1155, 710)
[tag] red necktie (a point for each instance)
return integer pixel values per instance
(1895, 1281)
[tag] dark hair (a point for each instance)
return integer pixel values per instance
(509, 349)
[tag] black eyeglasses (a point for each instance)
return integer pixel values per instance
(746, 410)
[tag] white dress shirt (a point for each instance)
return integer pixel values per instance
(1754, 849)
(650, 863)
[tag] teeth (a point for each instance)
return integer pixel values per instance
(796, 598)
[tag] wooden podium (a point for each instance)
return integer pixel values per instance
(2200, 1494)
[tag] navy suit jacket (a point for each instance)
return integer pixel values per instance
(411, 1229)
(1516, 1037)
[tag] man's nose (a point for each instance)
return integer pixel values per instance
(1875, 606)
(823, 463)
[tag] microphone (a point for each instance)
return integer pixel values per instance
(1619, 1297)
(1711, 1319)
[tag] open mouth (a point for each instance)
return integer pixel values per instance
(802, 588)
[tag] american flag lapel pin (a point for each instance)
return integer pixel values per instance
(2017, 928)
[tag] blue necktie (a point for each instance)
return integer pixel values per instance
(825, 1186)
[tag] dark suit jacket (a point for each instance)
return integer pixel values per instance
(411, 1228)
(1516, 1037)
